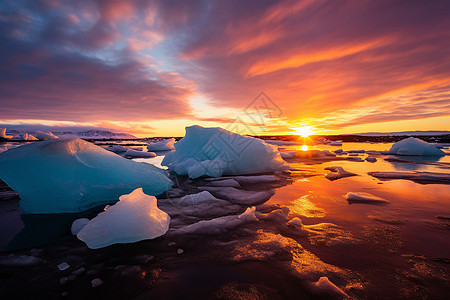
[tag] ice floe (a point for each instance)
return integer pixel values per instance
(360, 197)
(415, 146)
(45, 135)
(420, 177)
(3, 134)
(134, 218)
(163, 145)
(337, 173)
(25, 137)
(136, 153)
(117, 149)
(371, 159)
(72, 175)
(238, 196)
(215, 152)
(219, 225)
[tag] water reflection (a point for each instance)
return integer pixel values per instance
(305, 148)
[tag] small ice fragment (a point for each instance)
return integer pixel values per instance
(63, 266)
(296, 223)
(163, 145)
(96, 282)
(180, 251)
(78, 224)
(117, 149)
(136, 153)
(371, 159)
(359, 197)
(325, 286)
(337, 173)
(170, 244)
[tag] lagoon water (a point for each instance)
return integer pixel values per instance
(395, 250)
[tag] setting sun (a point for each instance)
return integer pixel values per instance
(304, 131)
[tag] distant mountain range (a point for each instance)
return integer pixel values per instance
(89, 134)
(404, 133)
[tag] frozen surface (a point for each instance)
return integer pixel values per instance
(134, 218)
(136, 153)
(215, 152)
(72, 175)
(45, 135)
(337, 173)
(414, 146)
(359, 197)
(219, 225)
(163, 145)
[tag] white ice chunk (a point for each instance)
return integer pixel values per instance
(134, 218)
(359, 197)
(219, 225)
(337, 172)
(72, 175)
(136, 153)
(78, 224)
(414, 146)
(45, 135)
(161, 145)
(215, 152)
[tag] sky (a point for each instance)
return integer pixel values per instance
(151, 68)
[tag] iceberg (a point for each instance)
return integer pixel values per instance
(134, 218)
(215, 152)
(3, 134)
(45, 135)
(163, 145)
(414, 146)
(72, 175)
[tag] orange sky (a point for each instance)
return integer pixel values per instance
(150, 68)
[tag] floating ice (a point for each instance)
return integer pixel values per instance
(117, 149)
(226, 182)
(72, 175)
(307, 154)
(45, 135)
(414, 146)
(420, 177)
(161, 145)
(78, 224)
(281, 143)
(136, 153)
(359, 197)
(25, 137)
(238, 196)
(3, 134)
(219, 225)
(337, 173)
(215, 152)
(371, 159)
(134, 218)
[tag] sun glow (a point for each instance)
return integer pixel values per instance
(304, 131)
